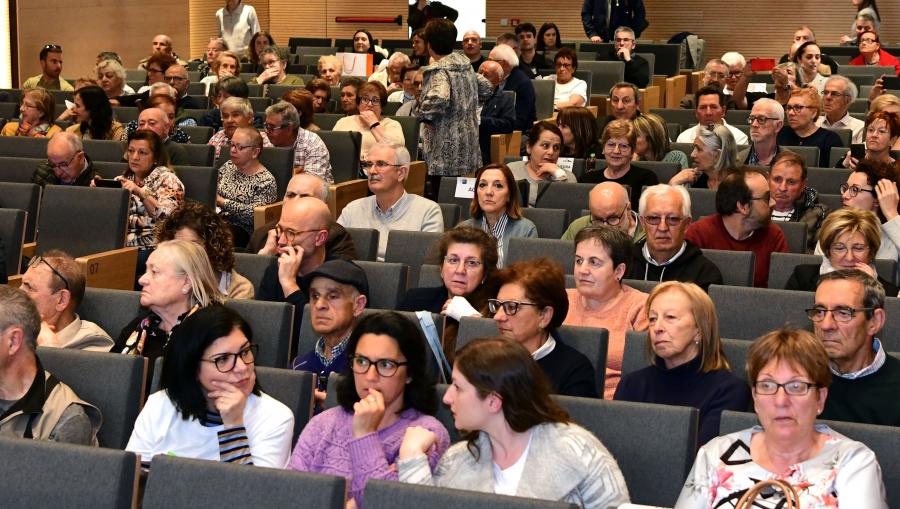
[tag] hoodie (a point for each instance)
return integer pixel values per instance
(690, 266)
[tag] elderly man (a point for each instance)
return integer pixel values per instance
(471, 44)
(766, 120)
(637, 69)
(338, 291)
(710, 101)
(392, 75)
(55, 283)
(177, 76)
(156, 120)
(839, 93)
(67, 164)
(609, 206)
(624, 103)
(33, 403)
(742, 222)
(665, 214)
(518, 82)
(863, 23)
(237, 23)
(390, 207)
(310, 153)
(793, 199)
(330, 69)
(529, 59)
(848, 313)
(51, 68)
(714, 74)
(408, 83)
(162, 45)
(498, 115)
(407, 109)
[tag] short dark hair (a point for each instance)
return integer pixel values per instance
(540, 126)
(873, 294)
(419, 392)
(375, 86)
(540, 37)
(544, 284)
(319, 84)
(233, 86)
(440, 35)
(352, 81)
(709, 90)
(733, 190)
(617, 244)
(792, 158)
(475, 236)
(183, 354)
(160, 155)
(875, 171)
(50, 48)
(526, 27)
(567, 52)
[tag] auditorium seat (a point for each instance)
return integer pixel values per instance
(365, 240)
(27, 197)
(560, 251)
(550, 223)
(737, 267)
(413, 249)
(747, 313)
(387, 283)
(253, 267)
(344, 150)
(18, 169)
(380, 494)
(451, 213)
(570, 196)
(272, 325)
(12, 233)
(794, 235)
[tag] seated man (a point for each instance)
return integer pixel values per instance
(156, 120)
(517, 81)
(310, 153)
(530, 60)
(711, 108)
(162, 45)
(498, 115)
(408, 108)
(330, 68)
(848, 313)
(742, 222)
(637, 69)
(624, 102)
(794, 200)
(609, 206)
(33, 403)
(392, 75)
(665, 213)
(67, 164)
(390, 207)
(51, 68)
(837, 97)
(766, 119)
(471, 44)
(714, 74)
(177, 76)
(55, 283)
(736, 63)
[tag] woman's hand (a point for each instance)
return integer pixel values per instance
(550, 171)
(416, 441)
(267, 74)
(368, 117)
(685, 176)
(846, 39)
(850, 161)
(865, 267)
(888, 198)
(367, 414)
(229, 402)
(132, 188)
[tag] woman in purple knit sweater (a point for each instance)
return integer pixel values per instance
(388, 392)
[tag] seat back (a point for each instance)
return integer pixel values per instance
(280, 163)
(679, 116)
(570, 196)
(125, 114)
(82, 220)
(274, 92)
(27, 197)
(809, 154)
(200, 183)
(703, 202)
(387, 283)
(413, 249)
(199, 134)
(294, 389)
(366, 242)
(12, 233)
(112, 310)
(827, 180)
(543, 95)
(604, 75)
(782, 266)
(253, 266)
(18, 169)
(450, 213)
(429, 276)
(639, 284)
(200, 154)
(18, 146)
(635, 355)
(794, 234)
(447, 194)
(736, 266)
(344, 149)
(668, 57)
(743, 315)
(550, 223)
(410, 126)
(391, 495)
(664, 170)
(890, 333)
(560, 251)
(326, 121)
(104, 150)
(272, 324)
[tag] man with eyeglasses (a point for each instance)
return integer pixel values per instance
(839, 93)
(34, 404)
(712, 104)
(714, 74)
(665, 213)
(848, 313)
(609, 206)
(67, 164)
(51, 68)
(742, 222)
(55, 283)
(637, 69)
(390, 207)
(766, 119)
(498, 115)
(177, 76)
(310, 153)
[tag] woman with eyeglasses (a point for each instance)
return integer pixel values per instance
(35, 116)
(518, 440)
(870, 53)
(882, 132)
(371, 98)
(789, 377)
(714, 154)
(569, 90)
(258, 43)
(386, 390)
(94, 116)
(619, 142)
(600, 299)
(531, 304)
(236, 112)
(211, 405)
(803, 109)
(688, 365)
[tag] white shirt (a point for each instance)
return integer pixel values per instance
(562, 92)
(238, 26)
(688, 135)
(506, 482)
(847, 122)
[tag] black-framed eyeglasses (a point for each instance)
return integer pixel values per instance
(670, 220)
(40, 259)
(611, 220)
(854, 189)
(797, 108)
(225, 362)
(272, 128)
(840, 314)
(289, 234)
(759, 118)
(361, 364)
(792, 388)
(510, 307)
(366, 165)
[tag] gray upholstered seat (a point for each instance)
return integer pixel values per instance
(366, 242)
(412, 248)
(18, 169)
(27, 197)
(344, 149)
(703, 202)
(570, 196)
(550, 223)
(199, 134)
(747, 313)
(808, 153)
(200, 183)
(451, 213)
(387, 283)
(104, 150)
(410, 127)
(280, 163)
(200, 154)
(82, 220)
(794, 234)
(736, 266)
(19, 146)
(560, 251)
(393, 495)
(272, 325)
(253, 267)
(12, 233)
(112, 310)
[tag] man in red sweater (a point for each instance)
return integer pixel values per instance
(742, 222)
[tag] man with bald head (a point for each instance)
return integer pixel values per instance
(67, 164)
(156, 120)
(665, 213)
(517, 81)
(472, 48)
(177, 76)
(609, 206)
(162, 45)
(498, 115)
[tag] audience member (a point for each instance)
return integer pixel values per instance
(766, 120)
(808, 57)
(94, 116)
(331, 69)
(244, 183)
(870, 53)
(736, 64)
(838, 94)
(391, 76)
(803, 109)
(569, 90)
(624, 104)
(111, 78)
(530, 60)
(157, 64)
(548, 38)
(715, 74)
(35, 116)
(363, 42)
(423, 11)
(237, 23)
(407, 91)
(599, 18)
(516, 81)
(792, 198)
(618, 142)
(236, 112)
(273, 60)
(259, 42)
(471, 45)
(349, 104)
(419, 50)
(580, 135)
(228, 65)
(161, 45)
(710, 111)
(784, 77)
(177, 77)
(321, 92)
(67, 163)
(609, 206)
(214, 48)
(543, 146)
(882, 131)
(283, 126)
(714, 155)
(873, 187)
(498, 114)
(651, 141)
(156, 120)
(51, 69)
(370, 122)
(867, 19)
(408, 109)
(637, 69)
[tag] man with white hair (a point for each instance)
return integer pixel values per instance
(67, 163)
(735, 62)
(518, 82)
(766, 119)
(391, 76)
(714, 74)
(498, 113)
(472, 48)
(839, 93)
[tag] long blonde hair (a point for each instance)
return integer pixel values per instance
(190, 258)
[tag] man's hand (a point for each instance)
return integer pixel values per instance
(624, 54)
(596, 38)
(288, 267)
(271, 247)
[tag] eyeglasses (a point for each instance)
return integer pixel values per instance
(371, 101)
(510, 307)
(797, 108)
(854, 189)
(766, 197)
(856, 249)
(793, 388)
(154, 70)
(717, 75)
(670, 220)
(611, 220)
(52, 47)
(840, 314)
(469, 264)
(366, 165)
(177, 79)
(239, 147)
(832, 93)
(65, 165)
(735, 74)
(562, 65)
(759, 118)
(272, 128)
(623, 40)
(878, 131)
(289, 234)
(867, 41)
(40, 259)
(384, 367)
(226, 362)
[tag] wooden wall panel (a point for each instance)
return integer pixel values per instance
(291, 18)
(380, 8)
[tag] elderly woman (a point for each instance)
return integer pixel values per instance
(548, 38)
(496, 210)
(349, 91)
(513, 436)
(274, 63)
(304, 103)
(386, 390)
(364, 43)
(530, 305)
(882, 133)
(600, 299)
(236, 113)
(244, 183)
(808, 57)
(887, 103)
(214, 48)
(651, 141)
(94, 116)
(198, 223)
(157, 65)
(330, 68)
(715, 153)
(789, 377)
(179, 280)
(111, 76)
(579, 131)
(227, 65)
(870, 53)
(211, 406)
(689, 367)
(35, 116)
(618, 142)
(803, 108)
(321, 92)
(543, 147)
(371, 122)
(259, 42)
(569, 91)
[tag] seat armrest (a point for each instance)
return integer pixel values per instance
(113, 269)
(28, 249)
(339, 195)
(265, 214)
(415, 180)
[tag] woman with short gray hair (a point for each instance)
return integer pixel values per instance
(715, 152)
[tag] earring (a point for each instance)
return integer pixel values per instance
(184, 291)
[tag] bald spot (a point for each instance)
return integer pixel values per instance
(608, 194)
(305, 213)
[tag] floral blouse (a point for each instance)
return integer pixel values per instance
(162, 184)
(845, 473)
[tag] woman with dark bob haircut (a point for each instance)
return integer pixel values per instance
(579, 133)
(210, 405)
(386, 390)
(500, 397)
(548, 38)
(544, 146)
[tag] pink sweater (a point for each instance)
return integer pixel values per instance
(627, 312)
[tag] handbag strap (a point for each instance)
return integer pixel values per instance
(434, 342)
(792, 500)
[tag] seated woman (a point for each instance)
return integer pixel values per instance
(94, 116)
(850, 238)
(543, 147)
(496, 210)
(569, 90)
(227, 65)
(236, 112)
(651, 142)
(689, 366)
(618, 142)
(259, 42)
(827, 468)
(214, 48)
(244, 183)
(548, 39)
(579, 131)
(882, 133)
(111, 77)
(329, 69)
(321, 92)
(364, 43)
(196, 222)
(35, 116)
(531, 304)
(210, 405)
(386, 390)
(714, 154)
(600, 300)
(179, 281)
(888, 103)
(274, 63)
(803, 108)
(371, 98)
(873, 187)
(870, 53)
(303, 101)
(513, 436)
(808, 57)
(349, 91)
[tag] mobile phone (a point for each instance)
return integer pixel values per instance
(891, 82)
(762, 64)
(858, 151)
(108, 183)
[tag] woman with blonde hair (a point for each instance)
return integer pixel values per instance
(802, 110)
(111, 77)
(35, 116)
(652, 141)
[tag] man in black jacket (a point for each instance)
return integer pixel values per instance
(423, 11)
(518, 82)
(67, 164)
(637, 69)
(498, 114)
